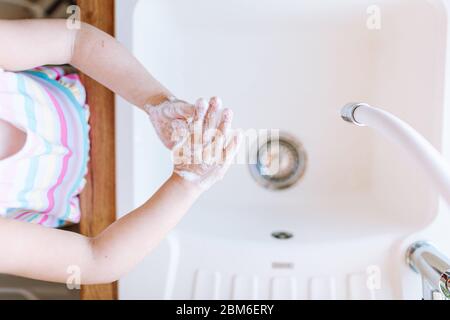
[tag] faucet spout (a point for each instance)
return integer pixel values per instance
(348, 112)
(434, 164)
(434, 268)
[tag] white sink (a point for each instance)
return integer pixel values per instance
(292, 65)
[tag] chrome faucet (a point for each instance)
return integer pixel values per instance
(434, 269)
(416, 146)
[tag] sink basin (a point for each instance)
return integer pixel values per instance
(291, 65)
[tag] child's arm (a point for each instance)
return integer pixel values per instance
(48, 254)
(26, 44)
(40, 253)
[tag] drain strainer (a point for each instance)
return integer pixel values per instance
(282, 235)
(281, 162)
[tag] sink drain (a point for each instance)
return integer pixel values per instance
(281, 163)
(282, 235)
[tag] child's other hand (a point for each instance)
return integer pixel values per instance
(209, 146)
(169, 117)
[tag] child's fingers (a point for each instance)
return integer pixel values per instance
(178, 156)
(180, 133)
(223, 127)
(214, 151)
(231, 149)
(185, 111)
(177, 110)
(229, 154)
(225, 122)
(196, 130)
(207, 154)
(181, 154)
(215, 104)
(201, 107)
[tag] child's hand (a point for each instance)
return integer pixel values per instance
(169, 117)
(209, 147)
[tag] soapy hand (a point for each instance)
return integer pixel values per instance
(209, 146)
(169, 117)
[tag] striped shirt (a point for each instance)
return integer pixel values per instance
(40, 184)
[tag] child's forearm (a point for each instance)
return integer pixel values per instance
(50, 255)
(104, 59)
(130, 239)
(26, 44)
